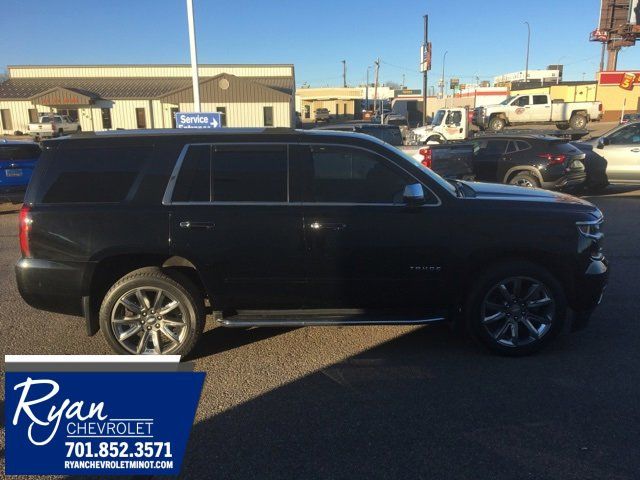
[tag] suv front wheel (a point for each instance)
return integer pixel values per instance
(150, 311)
(516, 308)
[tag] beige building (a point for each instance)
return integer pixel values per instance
(105, 97)
(342, 103)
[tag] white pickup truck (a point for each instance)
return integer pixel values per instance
(537, 108)
(52, 125)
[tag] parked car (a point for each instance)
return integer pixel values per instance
(392, 134)
(630, 117)
(142, 233)
(537, 108)
(620, 148)
(53, 125)
(17, 160)
(322, 115)
(528, 161)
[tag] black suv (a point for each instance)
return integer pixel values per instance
(528, 161)
(144, 234)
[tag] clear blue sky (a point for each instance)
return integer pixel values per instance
(483, 37)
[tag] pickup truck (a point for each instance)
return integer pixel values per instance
(53, 126)
(538, 108)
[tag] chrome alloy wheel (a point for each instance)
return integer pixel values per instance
(523, 182)
(518, 311)
(149, 320)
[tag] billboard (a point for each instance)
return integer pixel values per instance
(634, 12)
(614, 14)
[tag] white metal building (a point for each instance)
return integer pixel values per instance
(104, 97)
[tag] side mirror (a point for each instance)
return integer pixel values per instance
(413, 194)
(602, 142)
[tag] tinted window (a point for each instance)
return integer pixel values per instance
(511, 147)
(495, 146)
(347, 175)
(523, 145)
(250, 174)
(19, 152)
(539, 99)
(93, 174)
(454, 118)
(194, 180)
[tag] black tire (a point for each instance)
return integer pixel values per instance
(484, 290)
(176, 287)
(524, 179)
(578, 121)
(79, 129)
(497, 124)
(562, 126)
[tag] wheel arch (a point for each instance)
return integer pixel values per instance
(109, 268)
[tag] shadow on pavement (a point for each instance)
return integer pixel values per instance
(430, 405)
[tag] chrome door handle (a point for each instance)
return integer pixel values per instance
(635, 149)
(202, 225)
(327, 226)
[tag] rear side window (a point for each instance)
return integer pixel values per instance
(93, 175)
(19, 152)
(250, 174)
(496, 146)
(194, 180)
(539, 99)
(522, 145)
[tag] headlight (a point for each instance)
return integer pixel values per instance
(591, 229)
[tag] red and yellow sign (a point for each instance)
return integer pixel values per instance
(628, 80)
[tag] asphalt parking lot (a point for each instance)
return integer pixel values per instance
(399, 402)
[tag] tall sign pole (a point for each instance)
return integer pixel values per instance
(424, 73)
(194, 57)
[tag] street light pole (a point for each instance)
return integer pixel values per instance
(366, 90)
(444, 59)
(194, 57)
(526, 67)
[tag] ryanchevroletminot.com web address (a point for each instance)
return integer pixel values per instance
(118, 464)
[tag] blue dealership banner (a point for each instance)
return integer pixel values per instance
(99, 422)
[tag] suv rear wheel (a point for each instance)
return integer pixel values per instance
(524, 179)
(150, 311)
(516, 308)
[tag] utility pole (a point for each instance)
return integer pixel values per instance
(194, 57)
(526, 67)
(403, 78)
(424, 74)
(344, 73)
(375, 88)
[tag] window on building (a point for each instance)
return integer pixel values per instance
(100, 175)
(141, 118)
(539, 99)
(5, 117)
(347, 175)
(223, 115)
(337, 109)
(247, 174)
(194, 180)
(33, 115)
(267, 113)
(344, 108)
(174, 110)
(105, 113)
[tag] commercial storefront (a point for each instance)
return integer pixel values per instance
(105, 97)
(618, 92)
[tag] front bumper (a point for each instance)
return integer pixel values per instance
(590, 285)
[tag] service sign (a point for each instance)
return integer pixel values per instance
(198, 120)
(99, 422)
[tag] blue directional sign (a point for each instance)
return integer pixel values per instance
(198, 120)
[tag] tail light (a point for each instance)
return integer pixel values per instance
(24, 230)
(600, 107)
(427, 157)
(554, 159)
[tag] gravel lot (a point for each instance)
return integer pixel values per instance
(399, 402)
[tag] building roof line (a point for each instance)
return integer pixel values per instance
(160, 65)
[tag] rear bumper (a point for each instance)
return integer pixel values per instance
(569, 180)
(51, 286)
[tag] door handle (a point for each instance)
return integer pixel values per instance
(202, 225)
(635, 149)
(334, 227)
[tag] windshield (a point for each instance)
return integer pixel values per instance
(437, 120)
(507, 100)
